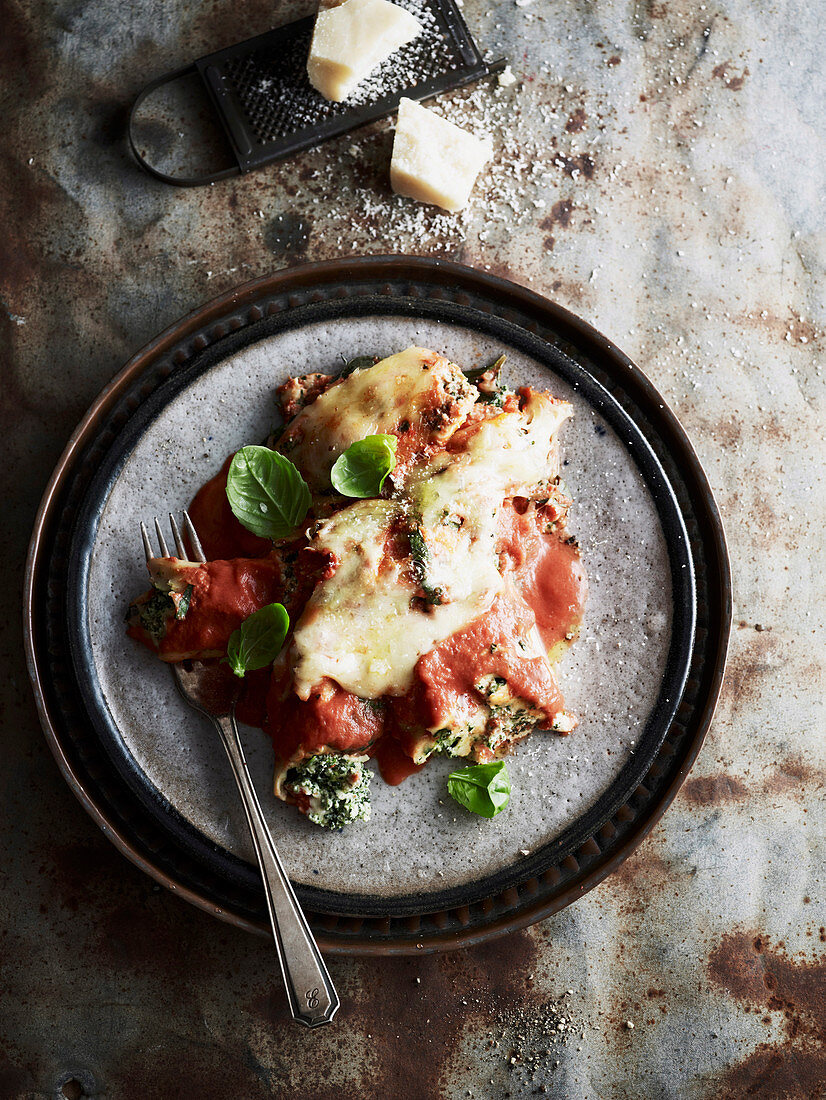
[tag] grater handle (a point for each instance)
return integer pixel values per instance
(177, 181)
(217, 85)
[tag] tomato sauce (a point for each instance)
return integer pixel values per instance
(405, 726)
(224, 593)
(548, 572)
(331, 718)
(447, 676)
(394, 763)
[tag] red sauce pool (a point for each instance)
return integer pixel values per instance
(548, 572)
(394, 764)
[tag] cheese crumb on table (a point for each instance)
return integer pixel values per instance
(434, 160)
(351, 39)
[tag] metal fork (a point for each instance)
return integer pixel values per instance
(212, 689)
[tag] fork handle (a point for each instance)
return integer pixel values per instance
(310, 991)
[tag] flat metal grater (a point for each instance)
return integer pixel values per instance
(269, 110)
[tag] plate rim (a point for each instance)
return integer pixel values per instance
(229, 867)
(430, 271)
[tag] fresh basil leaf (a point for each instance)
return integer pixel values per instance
(258, 640)
(266, 492)
(495, 367)
(482, 788)
(182, 603)
(361, 470)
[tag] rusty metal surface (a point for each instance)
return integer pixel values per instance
(665, 181)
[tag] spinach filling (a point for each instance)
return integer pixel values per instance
(153, 614)
(420, 559)
(337, 786)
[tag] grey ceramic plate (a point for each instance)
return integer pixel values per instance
(460, 874)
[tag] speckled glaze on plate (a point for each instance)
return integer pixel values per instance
(423, 871)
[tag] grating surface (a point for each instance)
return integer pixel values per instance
(269, 108)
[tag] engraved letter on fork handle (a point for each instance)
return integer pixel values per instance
(312, 996)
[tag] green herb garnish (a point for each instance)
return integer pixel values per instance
(482, 788)
(266, 492)
(419, 560)
(495, 367)
(182, 602)
(362, 469)
(360, 362)
(488, 380)
(258, 640)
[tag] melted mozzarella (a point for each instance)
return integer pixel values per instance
(363, 626)
(415, 391)
(459, 495)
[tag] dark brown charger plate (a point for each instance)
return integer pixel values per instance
(597, 841)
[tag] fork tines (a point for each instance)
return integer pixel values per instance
(180, 548)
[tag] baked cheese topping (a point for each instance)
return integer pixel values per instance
(416, 394)
(358, 628)
(363, 626)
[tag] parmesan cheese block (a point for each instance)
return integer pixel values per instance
(418, 395)
(433, 160)
(351, 39)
